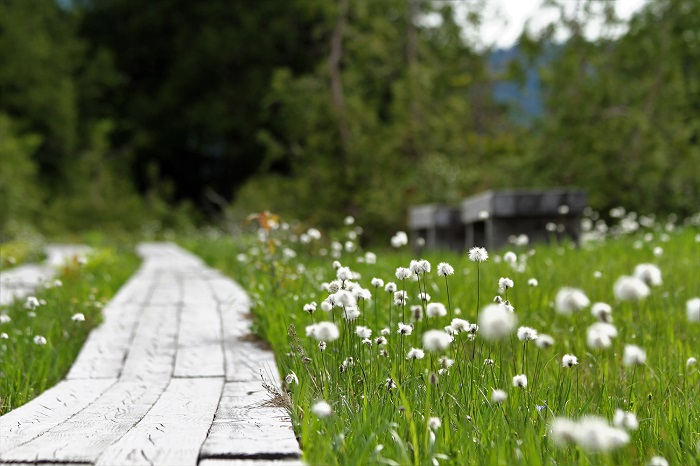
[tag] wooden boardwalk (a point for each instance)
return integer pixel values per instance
(171, 377)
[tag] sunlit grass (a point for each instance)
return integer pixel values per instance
(28, 367)
(374, 424)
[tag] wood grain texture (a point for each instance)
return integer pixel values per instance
(84, 437)
(244, 428)
(200, 347)
(105, 350)
(249, 462)
(173, 430)
(152, 352)
(49, 409)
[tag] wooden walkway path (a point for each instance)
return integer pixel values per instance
(171, 377)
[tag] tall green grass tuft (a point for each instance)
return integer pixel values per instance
(28, 366)
(458, 404)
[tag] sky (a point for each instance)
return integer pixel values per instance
(504, 19)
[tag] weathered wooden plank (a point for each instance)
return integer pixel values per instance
(104, 351)
(200, 346)
(246, 358)
(229, 292)
(249, 462)
(48, 410)
(173, 430)
(83, 437)
(152, 352)
(242, 428)
(137, 290)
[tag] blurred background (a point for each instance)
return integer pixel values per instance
(140, 116)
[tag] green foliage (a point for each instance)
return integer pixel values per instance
(19, 193)
(26, 368)
(372, 424)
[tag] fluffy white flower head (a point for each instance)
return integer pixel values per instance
(322, 409)
(630, 289)
(510, 257)
(39, 340)
(520, 381)
(570, 300)
(527, 334)
(436, 310)
(600, 335)
(602, 312)
(79, 317)
(569, 360)
(634, 356)
(325, 331)
(498, 396)
(403, 273)
(436, 340)
(404, 329)
(533, 282)
(434, 423)
(649, 274)
(363, 332)
(625, 420)
(496, 322)
(591, 433)
(477, 254)
(377, 282)
(415, 353)
(544, 341)
(692, 309)
(444, 269)
(505, 283)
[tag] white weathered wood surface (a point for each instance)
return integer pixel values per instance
(171, 376)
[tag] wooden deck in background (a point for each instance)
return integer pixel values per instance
(169, 378)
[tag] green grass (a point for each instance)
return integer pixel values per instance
(26, 368)
(373, 425)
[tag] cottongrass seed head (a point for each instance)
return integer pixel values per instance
(527, 334)
(625, 420)
(498, 396)
(630, 289)
(415, 353)
(569, 360)
(326, 331)
(692, 310)
(436, 340)
(436, 310)
(657, 461)
(39, 340)
(404, 329)
(322, 409)
(634, 356)
(602, 312)
(600, 335)
(592, 433)
(434, 423)
(569, 300)
(505, 283)
(444, 269)
(649, 274)
(544, 341)
(496, 322)
(520, 381)
(477, 254)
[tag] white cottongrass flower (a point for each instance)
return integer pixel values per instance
(527, 334)
(326, 306)
(337, 265)
(591, 433)
(649, 274)
(625, 420)
(400, 298)
(349, 220)
(459, 325)
(434, 423)
(344, 298)
(362, 293)
(520, 381)
(326, 331)
(322, 409)
(504, 283)
(630, 289)
(310, 307)
(533, 282)
(322, 345)
(291, 378)
(420, 266)
(436, 340)
(415, 353)
(39, 340)
(510, 257)
(344, 273)
(399, 239)
(390, 287)
(498, 396)
(370, 258)
(446, 362)
(4, 319)
(691, 361)
(363, 332)
(658, 251)
(692, 309)
(424, 297)
(377, 282)
(569, 360)
(79, 317)
(478, 254)
(366, 342)
(31, 303)
(4, 336)
(496, 322)
(351, 313)
(634, 356)
(405, 329)
(544, 341)
(602, 312)
(334, 286)
(444, 269)
(436, 310)
(402, 273)
(570, 300)
(657, 461)
(390, 384)
(380, 341)
(386, 331)
(600, 335)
